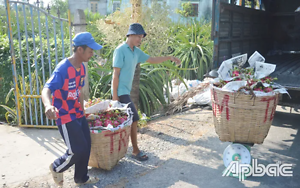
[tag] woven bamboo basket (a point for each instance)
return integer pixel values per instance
(109, 147)
(242, 118)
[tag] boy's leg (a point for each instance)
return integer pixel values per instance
(133, 137)
(136, 151)
(77, 148)
(81, 167)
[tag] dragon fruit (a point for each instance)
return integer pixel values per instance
(107, 122)
(121, 119)
(116, 123)
(98, 123)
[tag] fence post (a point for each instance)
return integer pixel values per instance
(80, 26)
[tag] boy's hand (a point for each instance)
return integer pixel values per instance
(116, 98)
(50, 112)
(176, 60)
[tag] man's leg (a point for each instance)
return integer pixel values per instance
(133, 137)
(77, 148)
(136, 151)
(81, 167)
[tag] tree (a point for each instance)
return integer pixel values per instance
(135, 92)
(62, 6)
(187, 10)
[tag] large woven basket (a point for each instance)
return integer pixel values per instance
(242, 118)
(109, 147)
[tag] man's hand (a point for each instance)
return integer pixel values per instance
(115, 98)
(176, 60)
(50, 112)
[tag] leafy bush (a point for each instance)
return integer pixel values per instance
(6, 82)
(154, 79)
(192, 44)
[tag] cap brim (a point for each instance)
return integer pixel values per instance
(145, 34)
(95, 46)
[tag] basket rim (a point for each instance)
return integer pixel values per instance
(241, 93)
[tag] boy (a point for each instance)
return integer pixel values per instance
(126, 57)
(67, 109)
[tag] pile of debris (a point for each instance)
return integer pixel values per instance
(198, 95)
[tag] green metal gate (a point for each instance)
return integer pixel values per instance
(38, 41)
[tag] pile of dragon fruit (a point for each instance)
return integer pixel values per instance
(112, 117)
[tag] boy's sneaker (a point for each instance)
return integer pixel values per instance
(57, 177)
(91, 180)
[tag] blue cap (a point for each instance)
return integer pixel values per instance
(86, 38)
(136, 29)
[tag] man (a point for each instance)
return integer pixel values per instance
(126, 57)
(67, 109)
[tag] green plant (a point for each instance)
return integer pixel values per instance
(11, 114)
(32, 21)
(154, 79)
(143, 119)
(155, 21)
(187, 10)
(62, 6)
(6, 75)
(114, 28)
(192, 44)
(27, 88)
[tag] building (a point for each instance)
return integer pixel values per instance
(99, 6)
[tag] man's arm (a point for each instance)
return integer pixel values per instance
(115, 83)
(81, 98)
(157, 60)
(50, 110)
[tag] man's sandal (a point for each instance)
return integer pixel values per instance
(141, 156)
(57, 177)
(91, 180)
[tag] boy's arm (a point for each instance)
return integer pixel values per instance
(157, 60)
(81, 98)
(118, 62)
(54, 83)
(50, 110)
(115, 83)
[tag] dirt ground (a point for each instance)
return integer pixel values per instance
(183, 150)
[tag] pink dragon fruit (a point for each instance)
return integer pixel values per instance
(116, 123)
(108, 115)
(101, 116)
(235, 73)
(98, 123)
(107, 122)
(268, 89)
(121, 119)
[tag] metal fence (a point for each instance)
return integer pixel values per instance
(38, 41)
